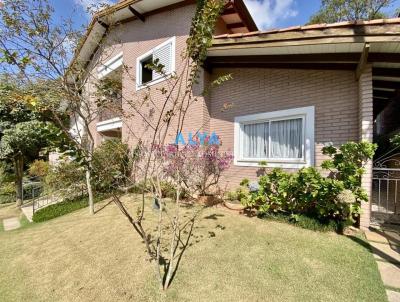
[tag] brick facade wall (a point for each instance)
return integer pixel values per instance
(333, 93)
(340, 114)
(365, 120)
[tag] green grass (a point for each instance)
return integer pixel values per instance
(79, 257)
(63, 208)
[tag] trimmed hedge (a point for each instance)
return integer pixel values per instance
(65, 207)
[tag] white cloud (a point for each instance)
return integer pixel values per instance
(266, 13)
(91, 6)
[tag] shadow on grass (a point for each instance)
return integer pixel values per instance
(375, 250)
(214, 216)
(103, 206)
(189, 241)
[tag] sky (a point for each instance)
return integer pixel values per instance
(266, 13)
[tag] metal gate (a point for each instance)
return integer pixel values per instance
(385, 206)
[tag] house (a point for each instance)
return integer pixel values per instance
(293, 91)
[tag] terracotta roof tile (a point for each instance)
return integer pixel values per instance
(313, 27)
(290, 28)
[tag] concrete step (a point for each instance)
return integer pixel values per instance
(390, 274)
(393, 296)
(11, 224)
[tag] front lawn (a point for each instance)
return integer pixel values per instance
(79, 257)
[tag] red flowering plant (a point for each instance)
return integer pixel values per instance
(196, 167)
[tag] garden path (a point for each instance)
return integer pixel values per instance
(385, 245)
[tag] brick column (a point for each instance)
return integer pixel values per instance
(365, 117)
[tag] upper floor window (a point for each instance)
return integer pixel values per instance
(165, 54)
(282, 138)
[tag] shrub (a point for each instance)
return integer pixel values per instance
(198, 167)
(231, 196)
(7, 186)
(138, 188)
(65, 175)
(168, 190)
(7, 192)
(111, 165)
(347, 164)
(304, 192)
(39, 168)
(307, 192)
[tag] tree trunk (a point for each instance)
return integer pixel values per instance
(19, 174)
(90, 191)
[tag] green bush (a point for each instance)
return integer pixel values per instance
(39, 168)
(7, 186)
(112, 163)
(347, 164)
(138, 187)
(65, 175)
(7, 192)
(231, 196)
(307, 192)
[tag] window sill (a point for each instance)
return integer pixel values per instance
(272, 164)
(153, 82)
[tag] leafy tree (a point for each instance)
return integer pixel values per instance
(24, 132)
(33, 43)
(38, 48)
(332, 11)
(25, 141)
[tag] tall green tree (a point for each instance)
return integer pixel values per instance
(332, 11)
(23, 131)
(37, 46)
(23, 143)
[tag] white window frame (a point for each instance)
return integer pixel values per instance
(308, 116)
(139, 84)
(113, 64)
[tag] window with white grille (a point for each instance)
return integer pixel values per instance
(164, 55)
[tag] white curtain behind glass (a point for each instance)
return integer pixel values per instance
(287, 138)
(255, 140)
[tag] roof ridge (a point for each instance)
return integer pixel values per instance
(312, 26)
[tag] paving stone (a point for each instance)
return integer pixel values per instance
(390, 274)
(373, 236)
(28, 212)
(393, 296)
(383, 251)
(11, 224)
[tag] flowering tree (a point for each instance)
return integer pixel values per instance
(195, 167)
(36, 47)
